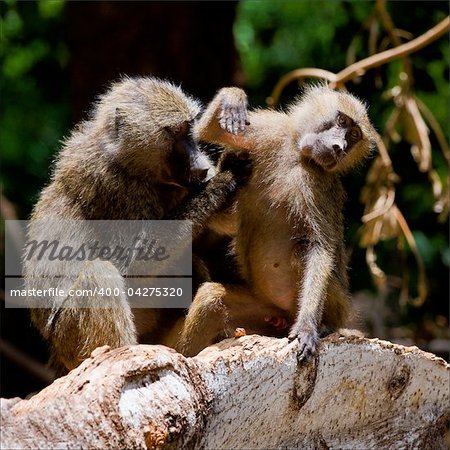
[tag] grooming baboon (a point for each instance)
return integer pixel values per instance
(134, 159)
(289, 245)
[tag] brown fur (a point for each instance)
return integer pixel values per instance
(133, 159)
(289, 245)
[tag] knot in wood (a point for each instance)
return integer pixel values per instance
(398, 381)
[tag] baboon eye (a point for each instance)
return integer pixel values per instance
(343, 120)
(325, 126)
(355, 133)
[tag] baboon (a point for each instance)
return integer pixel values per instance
(133, 159)
(289, 246)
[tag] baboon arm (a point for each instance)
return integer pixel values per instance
(337, 308)
(224, 120)
(318, 265)
(202, 205)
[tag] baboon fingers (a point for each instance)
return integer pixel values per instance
(308, 342)
(233, 117)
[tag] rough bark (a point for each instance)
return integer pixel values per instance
(243, 393)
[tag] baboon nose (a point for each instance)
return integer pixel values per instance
(337, 148)
(200, 174)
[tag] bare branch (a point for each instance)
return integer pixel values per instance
(298, 74)
(359, 68)
(379, 59)
(249, 392)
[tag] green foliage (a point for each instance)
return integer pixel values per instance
(275, 37)
(34, 111)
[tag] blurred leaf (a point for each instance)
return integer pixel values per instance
(34, 108)
(425, 246)
(23, 59)
(11, 24)
(50, 8)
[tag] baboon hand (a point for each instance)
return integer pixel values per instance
(233, 116)
(238, 163)
(308, 341)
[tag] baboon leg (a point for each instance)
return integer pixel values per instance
(217, 310)
(83, 323)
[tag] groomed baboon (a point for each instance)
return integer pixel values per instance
(134, 159)
(289, 246)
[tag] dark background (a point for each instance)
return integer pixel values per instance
(56, 57)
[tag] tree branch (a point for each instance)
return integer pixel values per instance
(358, 68)
(249, 392)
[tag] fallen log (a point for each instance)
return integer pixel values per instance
(241, 393)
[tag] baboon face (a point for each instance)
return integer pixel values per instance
(150, 123)
(335, 133)
(333, 141)
(186, 165)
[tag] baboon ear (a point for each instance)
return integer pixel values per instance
(119, 121)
